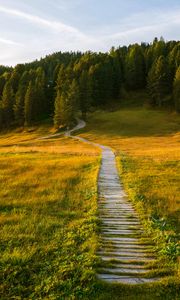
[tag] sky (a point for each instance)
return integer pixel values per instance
(31, 29)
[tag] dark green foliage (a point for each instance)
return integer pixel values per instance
(174, 61)
(7, 104)
(101, 79)
(67, 98)
(15, 77)
(40, 83)
(85, 92)
(59, 113)
(159, 81)
(176, 90)
(29, 104)
(20, 98)
(135, 68)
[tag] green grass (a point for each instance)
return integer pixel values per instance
(147, 147)
(48, 202)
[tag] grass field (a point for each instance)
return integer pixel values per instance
(48, 192)
(147, 147)
(48, 201)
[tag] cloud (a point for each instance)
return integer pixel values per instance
(54, 25)
(10, 42)
(51, 35)
(142, 27)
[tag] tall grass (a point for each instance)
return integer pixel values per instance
(48, 201)
(148, 144)
(147, 147)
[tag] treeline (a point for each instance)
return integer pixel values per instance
(60, 84)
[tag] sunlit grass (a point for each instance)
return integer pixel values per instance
(150, 141)
(48, 202)
(147, 147)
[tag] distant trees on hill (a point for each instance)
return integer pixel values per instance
(62, 83)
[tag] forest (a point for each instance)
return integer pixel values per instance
(62, 83)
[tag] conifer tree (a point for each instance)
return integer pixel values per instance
(1, 115)
(85, 93)
(40, 83)
(15, 77)
(7, 103)
(73, 100)
(176, 90)
(59, 112)
(65, 105)
(174, 61)
(135, 68)
(29, 104)
(20, 98)
(2, 84)
(159, 82)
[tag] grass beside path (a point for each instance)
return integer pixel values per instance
(147, 146)
(48, 202)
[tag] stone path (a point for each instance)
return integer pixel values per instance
(124, 258)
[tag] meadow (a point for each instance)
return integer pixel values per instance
(48, 220)
(147, 147)
(48, 199)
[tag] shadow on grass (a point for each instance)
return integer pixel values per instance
(132, 122)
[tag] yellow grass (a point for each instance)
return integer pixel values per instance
(150, 140)
(48, 200)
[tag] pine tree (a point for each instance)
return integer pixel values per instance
(1, 115)
(7, 103)
(158, 81)
(73, 100)
(2, 84)
(176, 90)
(59, 113)
(15, 77)
(40, 83)
(135, 68)
(65, 105)
(62, 79)
(29, 105)
(174, 61)
(85, 93)
(20, 98)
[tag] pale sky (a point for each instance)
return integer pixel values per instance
(31, 29)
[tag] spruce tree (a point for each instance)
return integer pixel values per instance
(15, 77)
(174, 61)
(135, 69)
(159, 85)
(40, 83)
(7, 103)
(65, 105)
(29, 105)
(176, 90)
(85, 93)
(1, 115)
(60, 110)
(73, 101)
(20, 98)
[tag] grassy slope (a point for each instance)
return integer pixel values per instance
(48, 195)
(48, 201)
(147, 144)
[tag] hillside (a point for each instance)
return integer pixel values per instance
(61, 84)
(50, 227)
